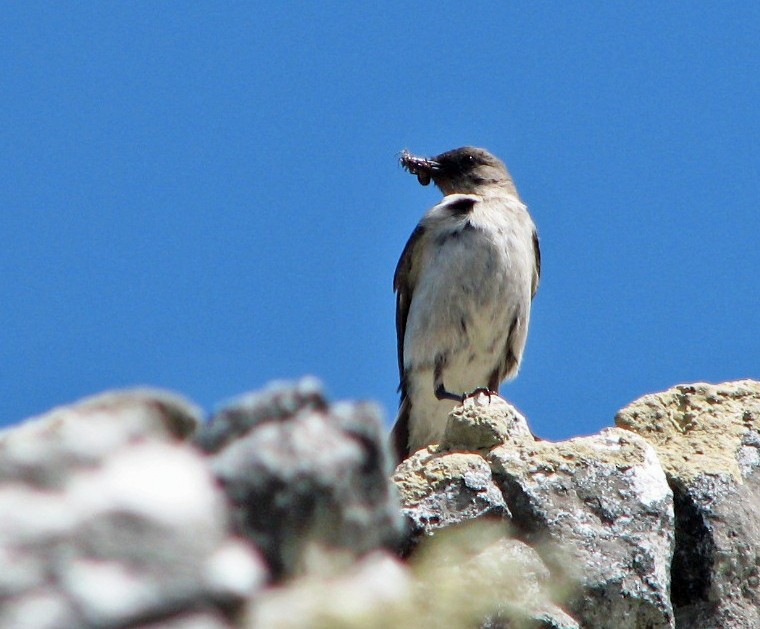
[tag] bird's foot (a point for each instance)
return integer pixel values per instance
(484, 391)
(442, 394)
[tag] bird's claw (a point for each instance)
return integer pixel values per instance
(484, 391)
(442, 394)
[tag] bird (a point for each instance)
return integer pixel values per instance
(464, 286)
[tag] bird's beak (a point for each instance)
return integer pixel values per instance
(424, 168)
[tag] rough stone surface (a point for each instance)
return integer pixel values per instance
(483, 422)
(697, 428)
(108, 520)
(308, 483)
(708, 438)
(599, 511)
(442, 489)
(450, 484)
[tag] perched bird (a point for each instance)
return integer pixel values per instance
(464, 286)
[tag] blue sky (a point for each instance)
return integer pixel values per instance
(206, 196)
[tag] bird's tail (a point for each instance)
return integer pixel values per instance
(399, 438)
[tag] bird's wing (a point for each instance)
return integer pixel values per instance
(536, 265)
(403, 285)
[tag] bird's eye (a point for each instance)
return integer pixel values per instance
(470, 159)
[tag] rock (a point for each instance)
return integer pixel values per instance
(308, 483)
(107, 519)
(374, 592)
(708, 439)
(476, 575)
(44, 450)
(599, 511)
(110, 518)
(443, 489)
(441, 486)
(482, 422)
(279, 401)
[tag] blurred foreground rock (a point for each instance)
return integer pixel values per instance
(307, 483)
(107, 519)
(126, 510)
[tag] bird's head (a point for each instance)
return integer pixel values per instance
(466, 170)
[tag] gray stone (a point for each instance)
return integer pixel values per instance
(110, 519)
(443, 489)
(451, 483)
(43, 450)
(708, 439)
(599, 511)
(308, 482)
(477, 572)
(279, 400)
(483, 422)
(107, 519)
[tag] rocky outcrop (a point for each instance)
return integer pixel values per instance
(598, 510)
(127, 510)
(707, 438)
